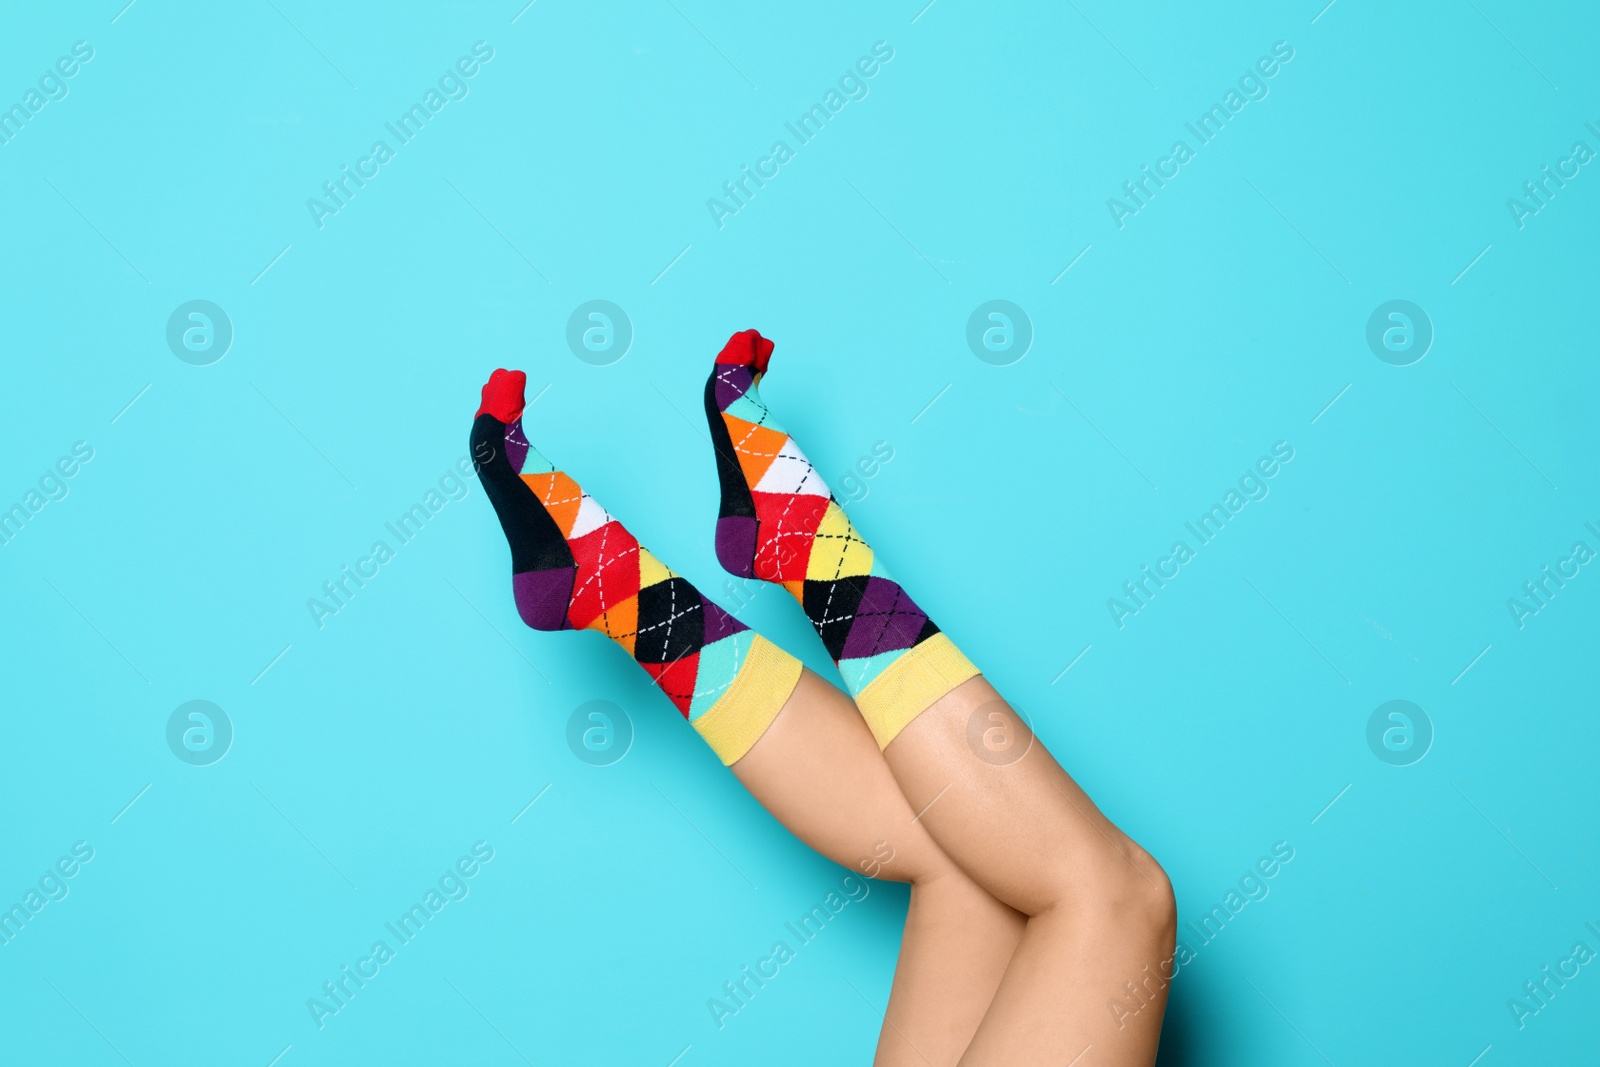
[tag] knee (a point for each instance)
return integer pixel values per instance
(1129, 891)
(1153, 905)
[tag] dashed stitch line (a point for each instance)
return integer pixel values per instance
(600, 569)
(848, 536)
(549, 500)
(755, 398)
(673, 615)
(601, 565)
(888, 615)
(885, 618)
(811, 471)
(778, 536)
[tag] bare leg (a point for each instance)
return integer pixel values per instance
(819, 772)
(792, 739)
(1100, 910)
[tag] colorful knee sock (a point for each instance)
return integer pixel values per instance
(574, 567)
(779, 523)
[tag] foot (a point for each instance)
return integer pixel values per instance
(778, 522)
(573, 566)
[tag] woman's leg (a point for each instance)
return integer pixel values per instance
(819, 772)
(1101, 918)
(1092, 968)
(794, 740)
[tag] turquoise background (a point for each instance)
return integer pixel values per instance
(369, 754)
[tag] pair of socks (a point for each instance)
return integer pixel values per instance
(576, 567)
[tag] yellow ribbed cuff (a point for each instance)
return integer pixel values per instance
(909, 685)
(758, 692)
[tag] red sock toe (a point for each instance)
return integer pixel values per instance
(747, 348)
(503, 395)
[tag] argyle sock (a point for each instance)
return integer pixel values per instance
(574, 567)
(779, 523)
